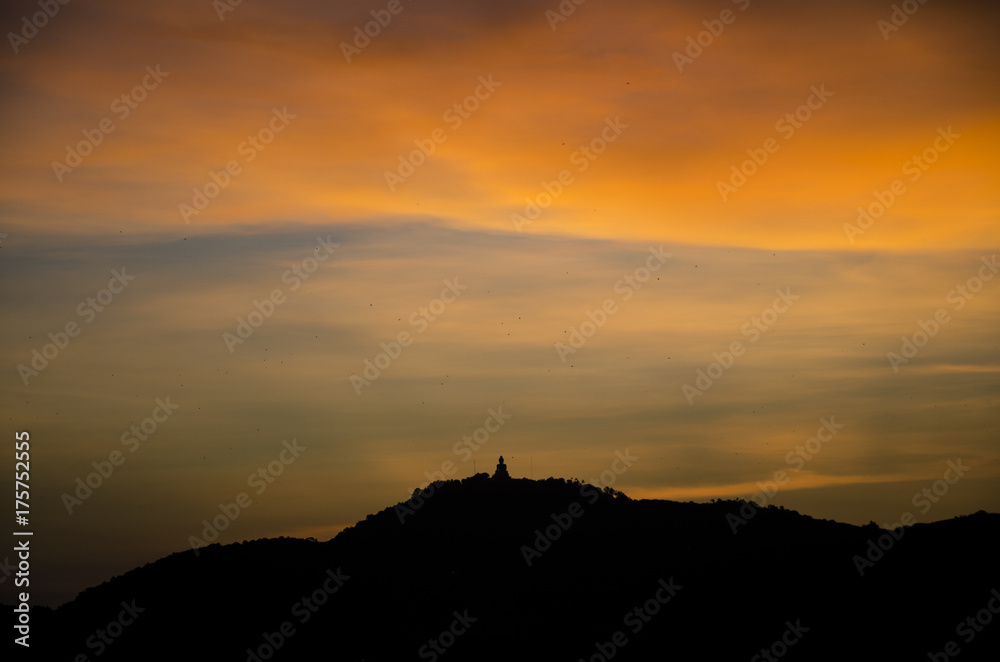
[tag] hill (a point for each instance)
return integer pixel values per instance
(484, 569)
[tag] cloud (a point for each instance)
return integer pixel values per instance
(354, 121)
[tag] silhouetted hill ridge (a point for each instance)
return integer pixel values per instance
(549, 569)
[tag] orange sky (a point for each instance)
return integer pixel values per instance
(329, 130)
(354, 120)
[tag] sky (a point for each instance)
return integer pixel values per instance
(750, 246)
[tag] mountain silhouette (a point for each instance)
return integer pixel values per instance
(518, 569)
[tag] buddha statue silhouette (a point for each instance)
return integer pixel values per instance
(501, 471)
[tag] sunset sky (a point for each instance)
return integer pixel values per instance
(492, 179)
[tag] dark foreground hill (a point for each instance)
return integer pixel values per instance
(608, 578)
